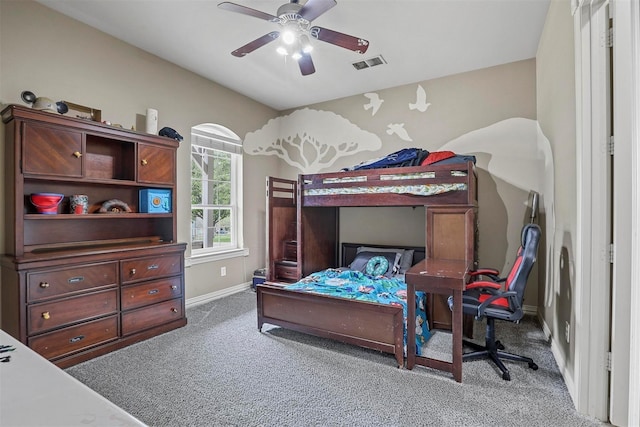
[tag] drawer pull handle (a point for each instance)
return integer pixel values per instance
(153, 267)
(132, 272)
(174, 310)
(44, 285)
(76, 339)
(153, 291)
(46, 315)
(144, 162)
(174, 287)
(77, 154)
(76, 279)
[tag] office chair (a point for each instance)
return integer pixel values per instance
(489, 298)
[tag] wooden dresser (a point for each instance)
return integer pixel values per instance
(75, 286)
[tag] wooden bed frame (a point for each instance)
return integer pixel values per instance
(365, 324)
(303, 235)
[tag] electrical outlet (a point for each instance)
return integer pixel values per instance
(567, 331)
(223, 271)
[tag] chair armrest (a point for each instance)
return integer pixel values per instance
(510, 295)
(485, 271)
(483, 284)
(491, 273)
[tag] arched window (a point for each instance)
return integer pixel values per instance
(216, 189)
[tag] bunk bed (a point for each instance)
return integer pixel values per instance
(304, 213)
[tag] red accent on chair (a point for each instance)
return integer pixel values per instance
(491, 300)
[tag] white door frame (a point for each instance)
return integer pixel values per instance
(591, 394)
(634, 342)
(625, 358)
(591, 302)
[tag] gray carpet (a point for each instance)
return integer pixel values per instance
(220, 371)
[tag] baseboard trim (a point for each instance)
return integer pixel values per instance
(560, 360)
(203, 299)
(530, 309)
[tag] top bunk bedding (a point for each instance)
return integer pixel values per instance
(435, 184)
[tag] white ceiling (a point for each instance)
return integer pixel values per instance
(419, 39)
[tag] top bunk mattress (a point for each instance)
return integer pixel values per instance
(403, 186)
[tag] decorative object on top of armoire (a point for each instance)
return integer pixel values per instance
(78, 286)
(152, 121)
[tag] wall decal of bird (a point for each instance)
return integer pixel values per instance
(421, 103)
(374, 102)
(398, 129)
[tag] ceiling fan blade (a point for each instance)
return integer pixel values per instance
(306, 64)
(259, 42)
(233, 7)
(339, 39)
(314, 8)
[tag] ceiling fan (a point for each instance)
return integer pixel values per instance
(295, 29)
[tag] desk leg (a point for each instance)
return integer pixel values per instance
(411, 326)
(457, 335)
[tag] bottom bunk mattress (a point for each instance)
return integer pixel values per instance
(347, 305)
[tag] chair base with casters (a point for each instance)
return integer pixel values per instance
(501, 298)
(493, 350)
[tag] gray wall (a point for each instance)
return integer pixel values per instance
(557, 117)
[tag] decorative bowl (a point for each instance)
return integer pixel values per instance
(46, 203)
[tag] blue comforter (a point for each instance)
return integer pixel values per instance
(355, 285)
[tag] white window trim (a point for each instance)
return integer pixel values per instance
(204, 258)
(223, 139)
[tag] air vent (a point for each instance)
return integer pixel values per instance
(368, 63)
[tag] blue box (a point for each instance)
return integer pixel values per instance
(259, 277)
(257, 280)
(154, 200)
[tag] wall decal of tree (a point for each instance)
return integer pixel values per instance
(310, 140)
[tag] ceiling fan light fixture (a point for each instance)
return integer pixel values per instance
(288, 36)
(282, 51)
(296, 55)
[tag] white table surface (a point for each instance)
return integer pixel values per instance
(35, 392)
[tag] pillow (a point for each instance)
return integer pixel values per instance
(396, 265)
(406, 256)
(362, 259)
(437, 156)
(406, 262)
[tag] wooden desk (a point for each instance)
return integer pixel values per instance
(438, 276)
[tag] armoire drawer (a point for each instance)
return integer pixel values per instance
(150, 316)
(149, 268)
(51, 283)
(45, 316)
(75, 338)
(150, 292)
